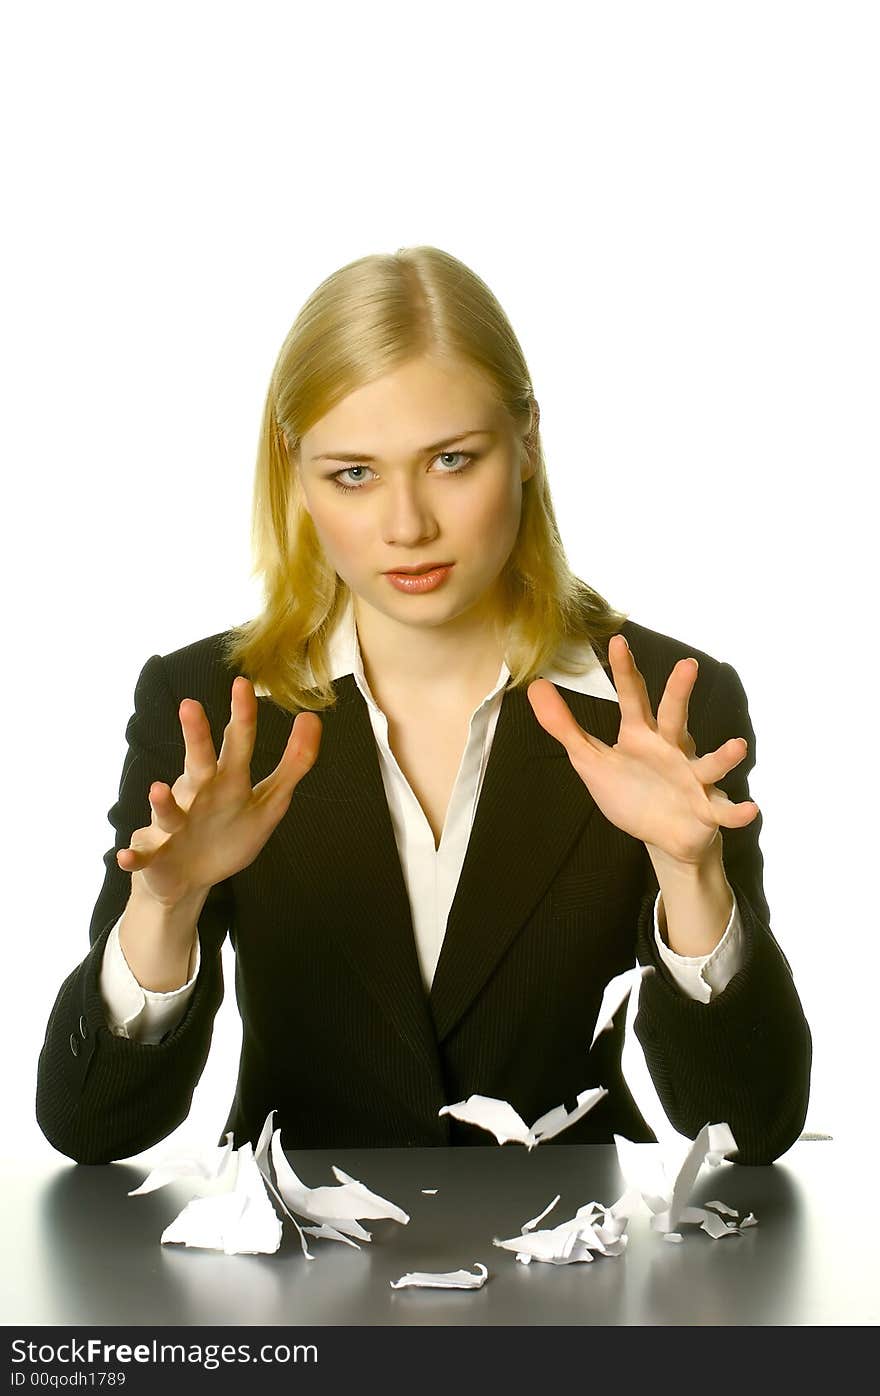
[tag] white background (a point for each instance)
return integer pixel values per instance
(677, 205)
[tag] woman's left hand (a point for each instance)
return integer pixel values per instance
(651, 783)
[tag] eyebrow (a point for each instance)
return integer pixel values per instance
(425, 451)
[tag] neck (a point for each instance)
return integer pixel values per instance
(433, 664)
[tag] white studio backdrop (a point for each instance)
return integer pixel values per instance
(677, 206)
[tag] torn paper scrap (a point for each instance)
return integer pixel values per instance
(572, 1240)
(614, 993)
(530, 1225)
(716, 1227)
(712, 1139)
(212, 1170)
(663, 1176)
(642, 1166)
(673, 1236)
(329, 1233)
(261, 1150)
(498, 1117)
(723, 1207)
(261, 1158)
(452, 1279)
(242, 1221)
(429, 1192)
(558, 1119)
(340, 1206)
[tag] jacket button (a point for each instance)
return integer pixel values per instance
(74, 1044)
(83, 1026)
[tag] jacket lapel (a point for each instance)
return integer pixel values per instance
(338, 835)
(532, 808)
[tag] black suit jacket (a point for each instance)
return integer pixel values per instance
(339, 1035)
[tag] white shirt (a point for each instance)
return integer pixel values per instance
(431, 873)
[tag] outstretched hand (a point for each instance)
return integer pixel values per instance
(651, 783)
(211, 823)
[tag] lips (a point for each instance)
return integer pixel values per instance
(416, 571)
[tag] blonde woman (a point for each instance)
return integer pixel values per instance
(437, 793)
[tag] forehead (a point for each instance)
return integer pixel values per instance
(422, 401)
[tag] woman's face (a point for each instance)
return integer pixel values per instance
(443, 484)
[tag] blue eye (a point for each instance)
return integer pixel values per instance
(467, 457)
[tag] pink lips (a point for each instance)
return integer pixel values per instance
(420, 581)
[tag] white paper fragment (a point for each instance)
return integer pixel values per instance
(673, 1236)
(530, 1225)
(329, 1233)
(664, 1176)
(242, 1221)
(498, 1117)
(572, 1240)
(723, 1207)
(367, 1203)
(210, 1171)
(428, 1192)
(644, 1174)
(452, 1279)
(261, 1152)
(628, 1204)
(750, 1220)
(614, 993)
(716, 1227)
(337, 1207)
(261, 1158)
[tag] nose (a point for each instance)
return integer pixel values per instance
(407, 518)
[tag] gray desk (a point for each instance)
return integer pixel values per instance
(80, 1251)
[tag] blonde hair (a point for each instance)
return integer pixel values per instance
(362, 322)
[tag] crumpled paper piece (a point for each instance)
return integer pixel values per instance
(572, 1240)
(241, 1220)
(232, 1211)
(661, 1177)
(452, 1279)
(498, 1117)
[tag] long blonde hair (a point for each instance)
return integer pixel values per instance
(362, 322)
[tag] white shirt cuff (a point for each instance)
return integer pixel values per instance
(703, 977)
(144, 1015)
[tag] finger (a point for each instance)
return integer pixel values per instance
(556, 717)
(672, 712)
(730, 815)
(200, 761)
(710, 768)
(240, 731)
(134, 859)
(167, 813)
(297, 758)
(632, 694)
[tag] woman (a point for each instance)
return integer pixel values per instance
(455, 794)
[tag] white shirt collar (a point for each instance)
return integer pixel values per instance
(344, 657)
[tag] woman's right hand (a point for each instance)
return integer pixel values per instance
(211, 823)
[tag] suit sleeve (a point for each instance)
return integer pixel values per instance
(102, 1097)
(743, 1058)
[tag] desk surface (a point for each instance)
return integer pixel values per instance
(80, 1251)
